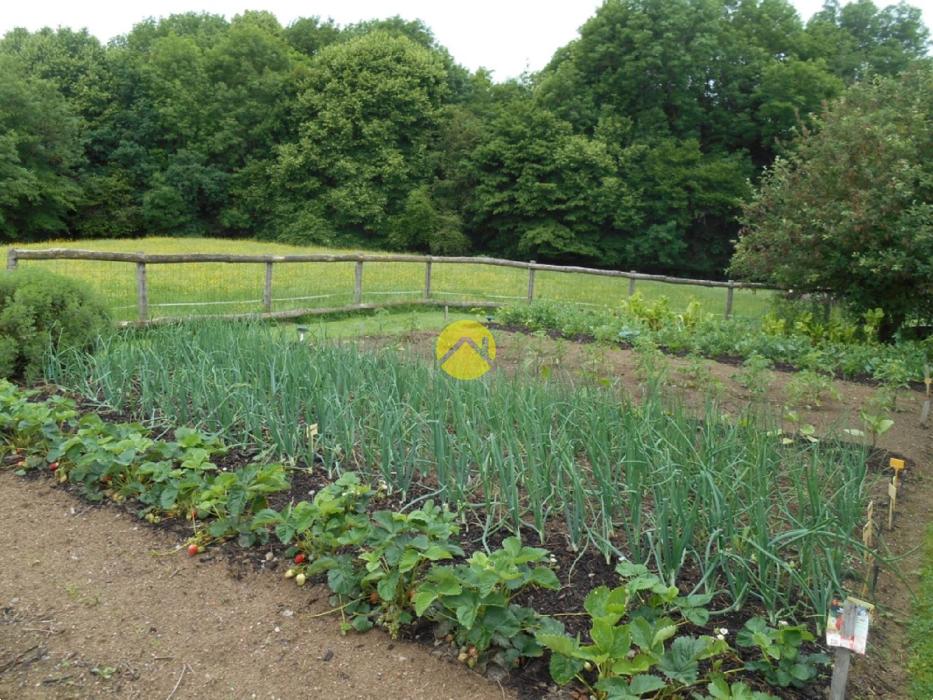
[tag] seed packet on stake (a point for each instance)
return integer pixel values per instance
(849, 634)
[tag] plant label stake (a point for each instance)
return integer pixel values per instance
(892, 501)
(896, 465)
(847, 630)
(868, 539)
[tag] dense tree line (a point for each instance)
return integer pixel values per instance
(635, 147)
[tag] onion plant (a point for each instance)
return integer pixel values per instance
(721, 495)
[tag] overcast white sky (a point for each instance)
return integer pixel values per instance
(507, 36)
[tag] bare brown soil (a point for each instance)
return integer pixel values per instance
(95, 604)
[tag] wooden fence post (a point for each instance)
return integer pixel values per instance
(11, 259)
(531, 281)
(730, 291)
(267, 289)
(358, 285)
(142, 292)
(427, 280)
(631, 283)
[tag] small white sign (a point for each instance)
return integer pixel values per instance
(852, 633)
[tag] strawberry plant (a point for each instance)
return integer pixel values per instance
(781, 661)
(472, 601)
(398, 549)
(336, 517)
(631, 659)
(231, 498)
(720, 689)
(100, 455)
(29, 428)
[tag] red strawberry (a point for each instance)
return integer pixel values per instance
(53, 466)
(300, 557)
(193, 549)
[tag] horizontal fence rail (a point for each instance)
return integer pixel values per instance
(427, 296)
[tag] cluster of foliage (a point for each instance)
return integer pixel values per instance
(632, 148)
(851, 209)
(799, 338)
(673, 487)
(123, 462)
(383, 566)
(39, 312)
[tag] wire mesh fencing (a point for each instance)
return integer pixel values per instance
(143, 288)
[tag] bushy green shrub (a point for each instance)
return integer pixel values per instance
(39, 310)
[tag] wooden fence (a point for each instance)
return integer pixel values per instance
(143, 260)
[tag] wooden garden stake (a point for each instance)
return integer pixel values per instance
(837, 689)
(892, 501)
(897, 465)
(847, 630)
(868, 539)
(868, 532)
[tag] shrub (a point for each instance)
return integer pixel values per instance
(39, 311)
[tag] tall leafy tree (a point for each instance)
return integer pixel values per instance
(40, 153)
(369, 109)
(851, 209)
(858, 39)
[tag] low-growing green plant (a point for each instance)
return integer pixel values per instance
(651, 364)
(396, 551)
(894, 376)
(698, 375)
(654, 314)
(324, 525)
(29, 428)
(630, 627)
(755, 375)
(101, 456)
(232, 497)
(720, 689)
(810, 389)
(473, 602)
(123, 461)
(781, 661)
(875, 425)
(836, 347)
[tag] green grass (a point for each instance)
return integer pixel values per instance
(204, 288)
(921, 627)
(379, 322)
(719, 496)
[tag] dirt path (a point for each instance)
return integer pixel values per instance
(92, 606)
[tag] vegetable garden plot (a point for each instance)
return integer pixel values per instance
(710, 503)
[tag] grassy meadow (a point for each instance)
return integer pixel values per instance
(210, 288)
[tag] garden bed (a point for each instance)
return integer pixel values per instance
(566, 557)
